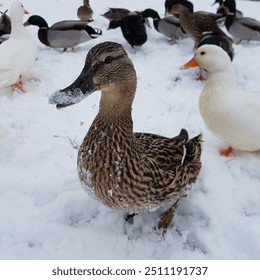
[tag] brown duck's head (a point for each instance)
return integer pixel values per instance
(86, 2)
(178, 9)
(107, 68)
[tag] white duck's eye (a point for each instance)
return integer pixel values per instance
(202, 53)
(108, 59)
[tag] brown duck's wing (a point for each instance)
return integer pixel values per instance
(154, 140)
(167, 152)
(193, 150)
(175, 162)
(215, 16)
(116, 13)
(204, 23)
(69, 24)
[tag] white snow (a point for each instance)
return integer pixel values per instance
(44, 212)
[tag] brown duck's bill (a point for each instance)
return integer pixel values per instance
(191, 63)
(76, 92)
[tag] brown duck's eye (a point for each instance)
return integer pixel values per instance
(202, 53)
(108, 59)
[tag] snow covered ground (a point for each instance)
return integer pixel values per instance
(44, 212)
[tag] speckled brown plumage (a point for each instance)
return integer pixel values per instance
(132, 175)
(116, 13)
(127, 171)
(197, 23)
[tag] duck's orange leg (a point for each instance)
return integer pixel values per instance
(167, 217)
(18, 85)
(226, 152)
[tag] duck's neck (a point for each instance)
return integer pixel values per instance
(116, 100)
(40, 22)
(156, 23)
(229, 20)
(113, 123)
(231, 5)
(86, 2)
(184, 18)
(156, 19)
(224, 79)
(116, 107)
(154, 15)
(18, 30)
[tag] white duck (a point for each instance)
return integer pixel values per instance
(229, 112)
(17, 54)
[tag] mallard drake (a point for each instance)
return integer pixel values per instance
(132, 27)
(220, 8)
(17, 54)
(116, 13)
(168, 26)
(126, 171)
(243, 28)
(5, 24)
(224, 11)
(85, 12)
(221, 102)
(63, 34)
(196, 24)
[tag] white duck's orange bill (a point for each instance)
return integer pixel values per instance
(191, 63)
(26, 12)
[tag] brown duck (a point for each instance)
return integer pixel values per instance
(196, 24)
(127, 171)
(85, 12)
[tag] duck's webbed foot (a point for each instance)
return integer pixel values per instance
(226, 152)
(167, 217)
(130, 217)
(18, 85)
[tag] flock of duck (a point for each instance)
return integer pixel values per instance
(135, 172)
